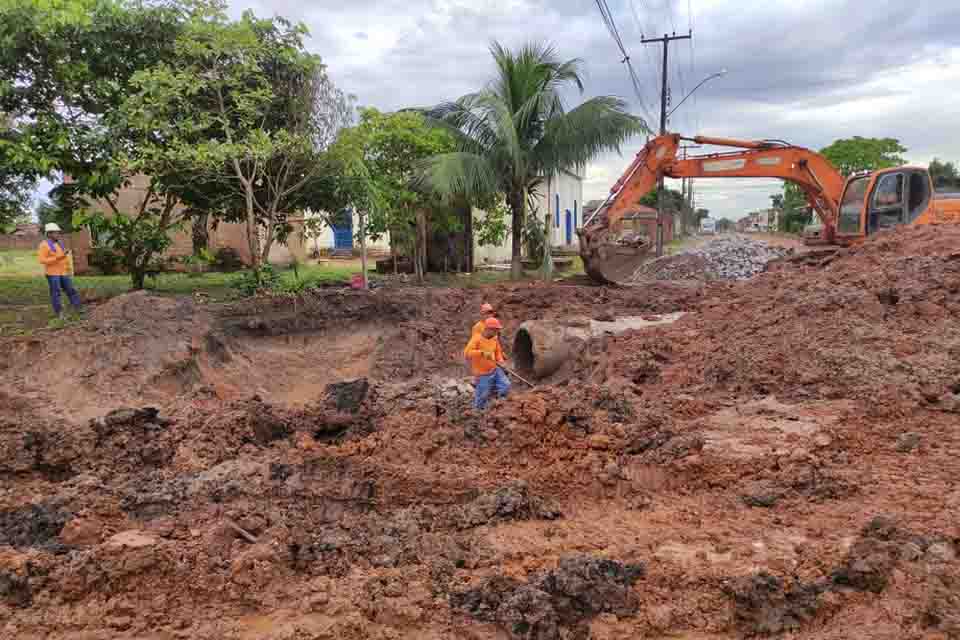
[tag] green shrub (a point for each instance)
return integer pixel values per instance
(254, 281)
(106, 260)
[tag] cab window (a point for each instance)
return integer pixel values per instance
(888, 202)
(889, 192)
(918, 194)
(851, 206)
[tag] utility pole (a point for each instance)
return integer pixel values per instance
(666, 40)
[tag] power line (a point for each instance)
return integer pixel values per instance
(640, 29)
(611, 25)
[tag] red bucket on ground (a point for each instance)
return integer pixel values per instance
(356, 281)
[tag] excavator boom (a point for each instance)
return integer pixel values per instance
(611, 251)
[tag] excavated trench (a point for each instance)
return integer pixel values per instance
(715, 477)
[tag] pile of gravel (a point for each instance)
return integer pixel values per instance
(724, 258)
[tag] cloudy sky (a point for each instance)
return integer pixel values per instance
(807, 71)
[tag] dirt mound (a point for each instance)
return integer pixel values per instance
(313, 467)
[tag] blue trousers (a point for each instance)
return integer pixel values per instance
(485, 385)
(66, 283)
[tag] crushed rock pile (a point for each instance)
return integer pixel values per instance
(723, 258)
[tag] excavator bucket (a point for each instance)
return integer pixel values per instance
(610, 255)
(611, 247)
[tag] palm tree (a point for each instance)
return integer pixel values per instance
(516, 131)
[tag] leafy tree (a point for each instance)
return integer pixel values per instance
(516, 131)
(390, 145)
(66, 71)
(850, 155)
(945, 175)
(16, 194)
(241, 114)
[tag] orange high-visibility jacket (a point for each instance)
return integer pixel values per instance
(477, 328)
(54, 260)
(484, 354)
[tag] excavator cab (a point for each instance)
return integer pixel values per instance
(882, 200)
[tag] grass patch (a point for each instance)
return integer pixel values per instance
(19, 263)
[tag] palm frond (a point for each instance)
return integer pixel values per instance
(573, 139)
(458, 174)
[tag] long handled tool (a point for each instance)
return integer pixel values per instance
(516, 375)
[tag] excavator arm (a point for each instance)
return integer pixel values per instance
(608, 258)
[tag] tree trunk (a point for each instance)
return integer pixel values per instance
(200, 234)
(267, 240)
(363, 249)
(421, 241)
(516, 210)
(547, 265)
(253, 231)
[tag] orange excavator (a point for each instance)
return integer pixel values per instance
(850, 209)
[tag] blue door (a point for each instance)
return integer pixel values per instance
(343, 231)
(569, 227)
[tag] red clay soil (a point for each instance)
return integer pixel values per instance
(780, 461)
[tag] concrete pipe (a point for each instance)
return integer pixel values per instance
(540, 347)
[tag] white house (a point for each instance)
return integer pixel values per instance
(342, 237)
(562, 196)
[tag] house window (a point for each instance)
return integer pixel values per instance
(557, 216)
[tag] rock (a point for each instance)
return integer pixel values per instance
(600, 441)
(583, 586)
(941, 552)
(764, 605)
(762, 494)
(580, 588)
(798, 455)
(132, 539)
(349, 395)
(528, 614)
(907, 442)
(910, 552)
(867, 567)
(511, 502)
(35, 525)
(822, 440)
(81, 532)
(484, 601)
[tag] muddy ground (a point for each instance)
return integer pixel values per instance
(782, 460)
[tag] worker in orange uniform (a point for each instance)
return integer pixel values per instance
(485, 357)
(55, 259)
(486, 311)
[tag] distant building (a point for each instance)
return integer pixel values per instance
(562, 197)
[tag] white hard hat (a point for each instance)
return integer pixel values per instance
(51, 226)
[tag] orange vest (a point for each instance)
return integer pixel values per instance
(484, 354)
(54, 259)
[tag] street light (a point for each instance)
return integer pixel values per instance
(718, 74)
